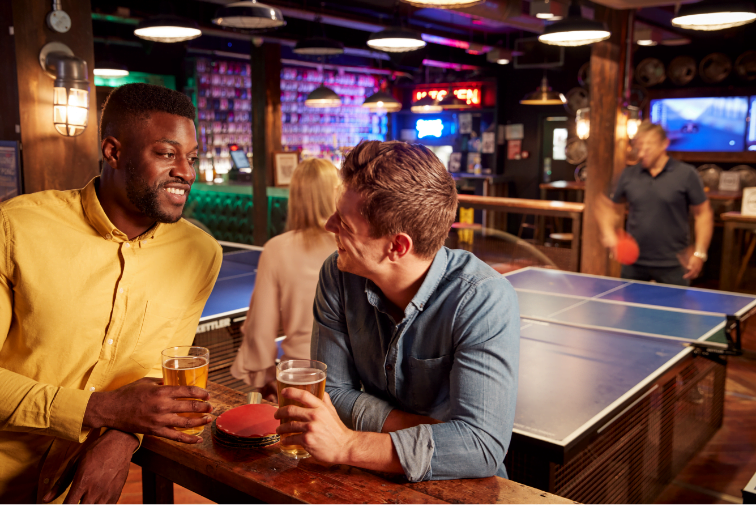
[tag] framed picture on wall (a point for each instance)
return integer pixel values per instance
(284, 164)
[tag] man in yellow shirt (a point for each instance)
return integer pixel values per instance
(94, 283)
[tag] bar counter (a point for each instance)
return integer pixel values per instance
(264, 475)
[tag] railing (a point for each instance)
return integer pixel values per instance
(543, 208)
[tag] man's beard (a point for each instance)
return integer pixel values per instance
(144, 197)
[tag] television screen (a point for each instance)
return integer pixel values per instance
(751, 135)
(702, 124)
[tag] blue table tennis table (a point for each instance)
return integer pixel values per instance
(612, 398)
(611, 403)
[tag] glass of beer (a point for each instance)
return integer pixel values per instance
(305, 374)
(186, 366)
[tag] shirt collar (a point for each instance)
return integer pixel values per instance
(669, 166)
(432, 279)
(100, 221)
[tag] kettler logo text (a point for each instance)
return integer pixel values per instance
(214, 325)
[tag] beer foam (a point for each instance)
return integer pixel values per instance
(301, 376)
(185, 363)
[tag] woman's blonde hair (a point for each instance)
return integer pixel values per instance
(312, 196)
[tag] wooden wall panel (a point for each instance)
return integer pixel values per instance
(50, 160)
(608, 139)
(9, 118)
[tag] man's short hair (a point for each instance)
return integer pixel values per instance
(649, 127)
(404, 188)
(132, 102)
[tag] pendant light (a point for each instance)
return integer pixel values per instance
(167, 29)
(444, 4)
(710, 16)
(319, 46)
(382, 101)
(544, 96)
(249, 15)
(396, 40)
(574, 30)
(322, 97)
(426, 105)
(109, 68)
(451, 101)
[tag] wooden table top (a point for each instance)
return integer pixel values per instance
(724, 195)
(737, 216)
(273, 478)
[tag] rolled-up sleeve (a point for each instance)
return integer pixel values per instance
(472, 443)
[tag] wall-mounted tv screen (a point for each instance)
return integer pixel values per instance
(751, 135)
(703, 124)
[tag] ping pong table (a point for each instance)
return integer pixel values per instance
(220, 324)
(611, 401)
(612, 398)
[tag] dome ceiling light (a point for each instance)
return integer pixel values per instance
(167, 29)
(249, 15)
(322, 97)
(319, 46)
(710, 16)
(426, 105)
(396, 40)
(544, 95)
(444, 4)
(574, 30)
(382, 101)
(109, 68)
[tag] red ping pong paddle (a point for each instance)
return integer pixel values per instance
(251, 421)
(627, 248)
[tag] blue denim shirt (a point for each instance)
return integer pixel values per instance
(453, 357)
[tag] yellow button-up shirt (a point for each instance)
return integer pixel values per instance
(83, 309)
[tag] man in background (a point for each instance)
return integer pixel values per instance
(94, 284)
(661, 193)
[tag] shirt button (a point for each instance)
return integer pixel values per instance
(92, 388)
(110, 341)
(46, 481)
(389, 367)
(120, 290)
(126, 245)
(108, 236)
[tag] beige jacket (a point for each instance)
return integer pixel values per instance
(287, 276)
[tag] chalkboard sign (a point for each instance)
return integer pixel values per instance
(10, 170)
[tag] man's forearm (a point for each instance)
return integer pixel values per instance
(704, 224)
(400, 420)
(373, 451)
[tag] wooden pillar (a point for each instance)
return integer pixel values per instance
(266, 129)
(608, 141)
(49, 160)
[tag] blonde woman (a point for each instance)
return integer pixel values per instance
(287, 276)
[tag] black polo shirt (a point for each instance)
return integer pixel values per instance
(659, 209)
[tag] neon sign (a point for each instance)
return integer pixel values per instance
(470, 95)
(429, 128)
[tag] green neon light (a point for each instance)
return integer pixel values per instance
(114, 19)
(167, 81)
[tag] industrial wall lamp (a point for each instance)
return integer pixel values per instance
(70, 89)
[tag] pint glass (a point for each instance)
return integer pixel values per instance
(305, 374)
(186, 366)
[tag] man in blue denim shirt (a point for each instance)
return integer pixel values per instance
(421, 342)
